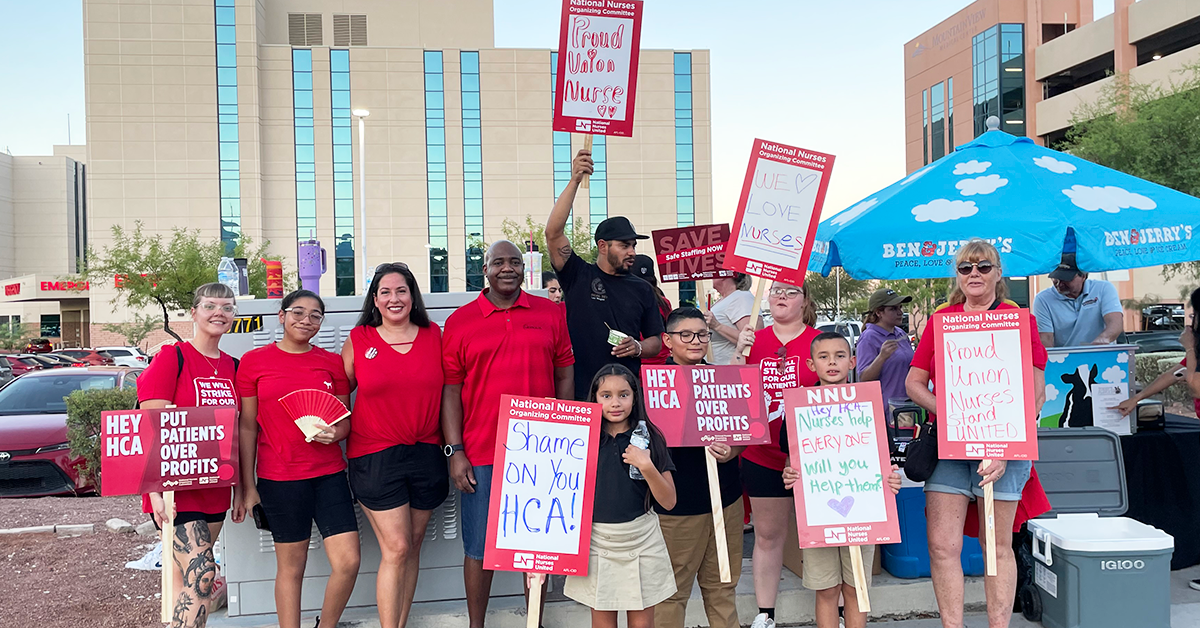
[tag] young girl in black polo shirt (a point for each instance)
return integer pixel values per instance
(628, 567)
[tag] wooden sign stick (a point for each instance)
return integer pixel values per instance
(587, 145)
(718, 513)
(860, 579)
(989, 515)
(757, 314)
(168, 557)
(533, 617)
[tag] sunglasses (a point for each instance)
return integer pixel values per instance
(983, 267)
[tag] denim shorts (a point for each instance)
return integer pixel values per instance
(959, 477)
(475, 513)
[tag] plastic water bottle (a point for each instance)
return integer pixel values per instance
(639, 438)
(227, 273)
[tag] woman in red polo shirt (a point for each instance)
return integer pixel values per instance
(397, 468)
(298, 481)
(782, 350)
(955, 483)
(175, 378)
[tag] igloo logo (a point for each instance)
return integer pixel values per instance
(1122, 565)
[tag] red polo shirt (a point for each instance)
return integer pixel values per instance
(493, 352)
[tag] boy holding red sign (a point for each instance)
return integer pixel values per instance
(828, 570)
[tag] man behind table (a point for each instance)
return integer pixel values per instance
(1077, 310)
(604, 296)
(507, 341)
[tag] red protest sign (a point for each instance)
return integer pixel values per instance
(696, 406)
(169, 449)
(598, 46)
(837, 436)
(689, 253)
(985, 397)
(540, 516)
(778, 212)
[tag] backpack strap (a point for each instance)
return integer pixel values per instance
(179, 357)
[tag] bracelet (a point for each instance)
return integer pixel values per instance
(639, 346)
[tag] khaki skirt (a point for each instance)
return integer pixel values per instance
(628, 567)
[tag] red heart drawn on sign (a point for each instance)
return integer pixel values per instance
(600, 109)
(592, 54)
(612, 111)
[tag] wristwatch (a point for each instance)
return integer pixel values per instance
(450, 449)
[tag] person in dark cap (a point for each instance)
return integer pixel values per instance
(1077, 310)
(884, 350)
(612, 316)
(643, 268)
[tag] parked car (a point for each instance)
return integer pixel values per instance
(49, 360)
(91, 356)
(35, 459)
(6, 372)
(38, 345)
(22, 365)
(126, 356)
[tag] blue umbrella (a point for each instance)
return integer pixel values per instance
(1033, 203)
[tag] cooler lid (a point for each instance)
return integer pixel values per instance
(1082, 470)
(1090, 533)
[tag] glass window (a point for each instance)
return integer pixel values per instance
(562, 140)
(435, 152)
(925, 126)
(950, 113)
(226, 57)
(937, 125)
(685, 205)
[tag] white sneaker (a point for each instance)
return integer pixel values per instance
(762, 621)
(1195, 584)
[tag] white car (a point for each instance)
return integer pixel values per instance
(126, 356)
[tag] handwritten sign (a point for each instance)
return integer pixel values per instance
(540, 516)
(170, 449)
(778, 212)
(838, 441)
(985, 393)
(690, 253)
(696, 406)
(598, 48)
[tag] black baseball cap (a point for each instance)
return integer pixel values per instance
(1066, 270)
(885, 297)
(643, 268)
(617, 228)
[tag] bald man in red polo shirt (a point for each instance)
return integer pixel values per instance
(505, 342)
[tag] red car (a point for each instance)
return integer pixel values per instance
(38, 345)
(91, 356)
(35, 459)
(21, 366)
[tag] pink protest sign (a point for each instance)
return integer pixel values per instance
(169, 449)
(597, 66)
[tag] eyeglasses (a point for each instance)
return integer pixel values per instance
(786, 293)
(984, 267)
(209, 308)
(299, 313)
(688, 336)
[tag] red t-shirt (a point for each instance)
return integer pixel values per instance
(923, 356)
(493, 352)
(665, 309)
(163, 380)
(270, 373)
(779, 375)
(399, 397)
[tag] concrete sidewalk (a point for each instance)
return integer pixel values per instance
(893, 602)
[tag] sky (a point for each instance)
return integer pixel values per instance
(826, 76)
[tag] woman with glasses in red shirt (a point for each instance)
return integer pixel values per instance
(297, 481)
(782, 351)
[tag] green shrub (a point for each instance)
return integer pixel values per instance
(84, 425)
(1150, 365)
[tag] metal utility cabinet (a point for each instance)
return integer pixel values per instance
(248, 554)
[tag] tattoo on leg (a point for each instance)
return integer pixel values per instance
(178, 618)
(200, 575)
(182, 545)
(201, 619)
(201, 533)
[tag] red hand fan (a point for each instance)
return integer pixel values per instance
(313, 410)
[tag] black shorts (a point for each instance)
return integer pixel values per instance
(189, 516)
(399, 475)
(759, 481)
(291, 507)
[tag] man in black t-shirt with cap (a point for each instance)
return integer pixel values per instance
(608, 308)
